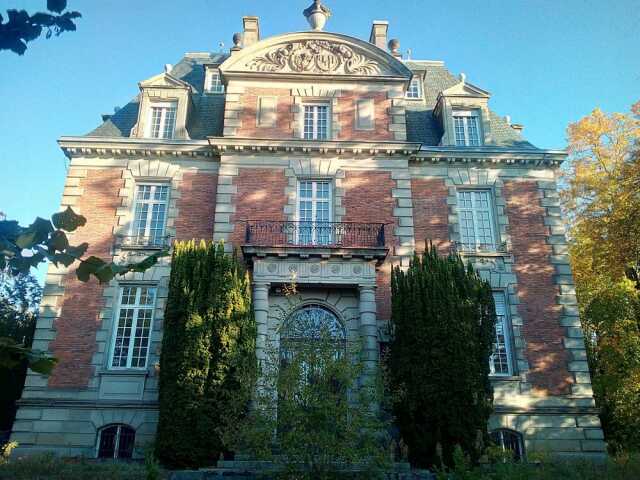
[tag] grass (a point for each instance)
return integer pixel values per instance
(50, 467)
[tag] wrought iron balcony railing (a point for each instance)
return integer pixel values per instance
(314, 234)
(143, 242)
(479, 248)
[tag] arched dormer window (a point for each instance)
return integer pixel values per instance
(509, 440)
(116, 441)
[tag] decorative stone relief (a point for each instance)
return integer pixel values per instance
(314, 56)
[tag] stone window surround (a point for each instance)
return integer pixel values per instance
(447, 108)
(259, 112)
(475, 113)
(330, 99)
(153, 95)
(209, 70)
(491, 265)
(419, 78)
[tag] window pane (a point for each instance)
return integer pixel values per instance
(126, 442)
(322, 122)
(169, 122)
(308, 122)
(472, 131)
(459, 131)
(133, 330)
(499, 360)
(476, 220)
(156, 118)
(107, 447)
(414, 89)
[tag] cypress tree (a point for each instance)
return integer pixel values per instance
(443, 320)
(208, 362)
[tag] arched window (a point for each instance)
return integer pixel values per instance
(311, 323)
(509, 440)
(116, 441)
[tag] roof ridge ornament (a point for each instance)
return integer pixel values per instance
(317, 15)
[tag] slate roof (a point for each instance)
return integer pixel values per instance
(206, 118)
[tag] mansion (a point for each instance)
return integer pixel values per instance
(326, 159)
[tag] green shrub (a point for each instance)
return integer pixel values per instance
(442, 327)
(208, 358)
(50, 467)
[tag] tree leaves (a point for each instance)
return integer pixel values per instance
(24, 248)
(21, 28)
(68, 220)
(13, 353)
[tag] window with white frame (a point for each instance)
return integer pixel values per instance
(162, 120)
(475, 213)
(213, 81)
(500, 360)
(314, 212)
(415, 88)
(466, 125)
(316, 121)
(133, 326)
(149, 216)
(116, 441)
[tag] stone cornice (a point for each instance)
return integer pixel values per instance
(491, 154)
(333, 147)
(128, 147)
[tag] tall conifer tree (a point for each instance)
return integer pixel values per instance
(208, 363)
(443, 320)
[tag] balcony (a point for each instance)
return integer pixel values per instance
(142, 242)
(324, 239)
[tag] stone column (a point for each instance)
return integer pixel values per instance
(261, 312)
(368, 331)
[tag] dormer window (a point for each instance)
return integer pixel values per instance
(213, 82)
(162, 122)
(467, 128)
(415, 89)
(316, 121)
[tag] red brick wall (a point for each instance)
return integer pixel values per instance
(75, 341)
(347, 117)
(249, 114)
(540, 313)
(260, 196)
(430, 213)
(368, 199)
(196, 206)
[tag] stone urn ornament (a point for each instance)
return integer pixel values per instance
(317, 15)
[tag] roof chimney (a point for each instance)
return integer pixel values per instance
(251, 31)
(379, 33)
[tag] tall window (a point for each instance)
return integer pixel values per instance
(316, 122)
(415, 88)
(163, 120)
(133, 328)
(314, 212)
(116, 441)
(466, 128)
(475, 210)
(150, 214)
(213, 83)
(500, 360)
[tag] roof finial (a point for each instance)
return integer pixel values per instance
(317, 15)
(463, 78)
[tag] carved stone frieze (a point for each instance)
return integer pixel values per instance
(314, 56)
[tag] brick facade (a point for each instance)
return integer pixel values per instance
(75, 340)
(249, 114)
(196, 206)
(347, 117)
(368, 198)
(541, 314)
(260, 196)
(431, 213)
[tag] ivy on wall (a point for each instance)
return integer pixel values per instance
(442, 324)
(208, 362)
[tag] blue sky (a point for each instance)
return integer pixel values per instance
(546, 63)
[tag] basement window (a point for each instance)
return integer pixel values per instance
(116, 441)
(509, 441)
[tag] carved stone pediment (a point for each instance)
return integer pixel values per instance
(315, 53)
(314, 56)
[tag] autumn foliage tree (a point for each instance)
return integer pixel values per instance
(601, 198)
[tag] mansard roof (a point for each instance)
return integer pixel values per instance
(316, 54)
(206, 118)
